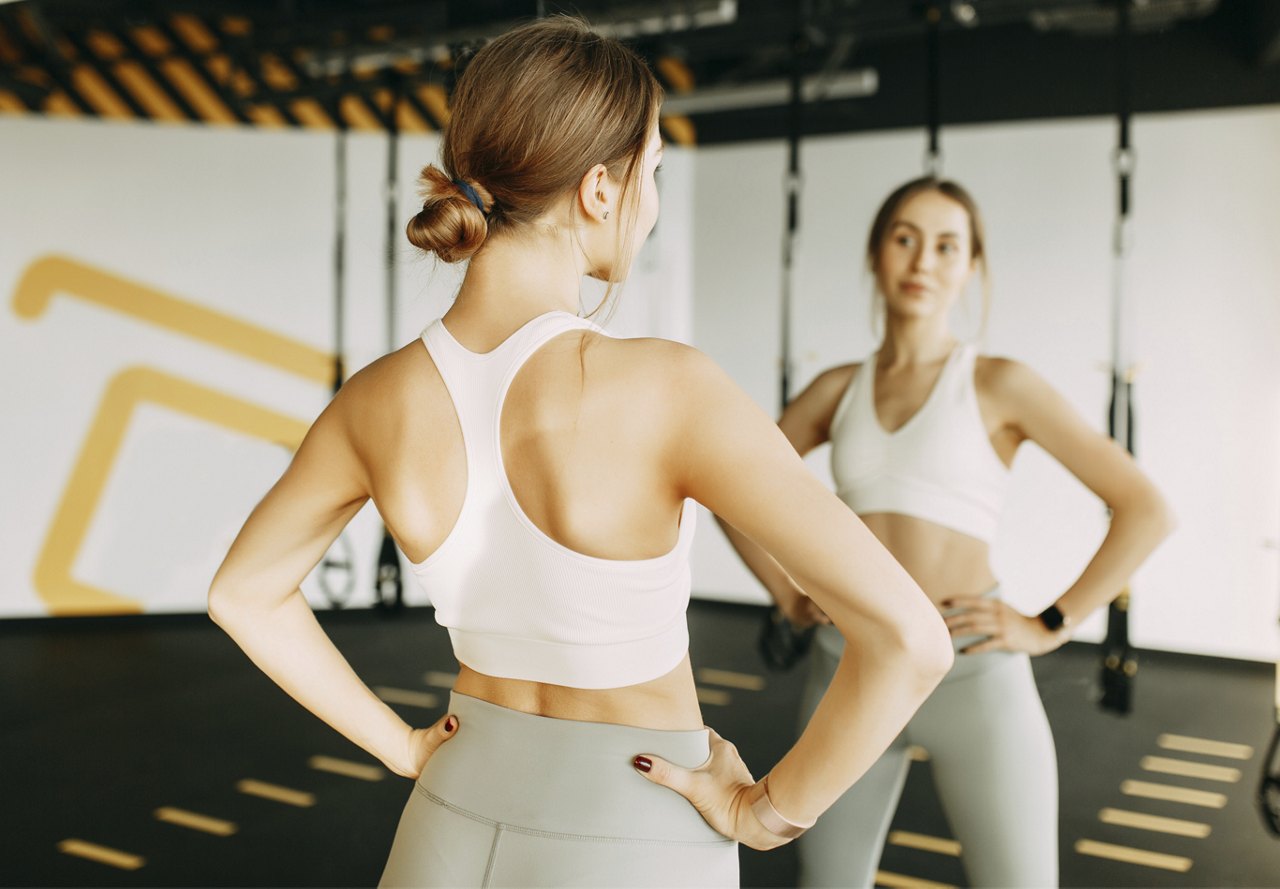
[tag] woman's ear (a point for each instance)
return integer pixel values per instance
(597, 194)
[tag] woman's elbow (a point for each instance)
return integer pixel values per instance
(927, 645)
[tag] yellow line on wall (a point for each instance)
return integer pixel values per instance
(101, 854)
(730, 679)
(1187, 769)
(50, 275)
(713, 697)
(62, 593)
(925, 843)
(407, 697)
(1174, 794)
(916, 753)
(195, 821)
(440, 680)
(276, 793)
(1188, 744)
(1133, 856)
(1143, 821)
(347, 768)
(902, 881)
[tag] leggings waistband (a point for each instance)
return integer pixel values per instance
(537, 773)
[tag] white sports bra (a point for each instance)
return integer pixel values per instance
(517, 604)
(939, 466)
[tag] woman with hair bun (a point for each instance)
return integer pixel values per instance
(922, 435)
(538, 474)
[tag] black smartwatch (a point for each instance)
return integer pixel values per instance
(1053, 618)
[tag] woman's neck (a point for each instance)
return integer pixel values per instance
(514, 279)
(911, 341)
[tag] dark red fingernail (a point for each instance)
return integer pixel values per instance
(643, 763)
(449, 725)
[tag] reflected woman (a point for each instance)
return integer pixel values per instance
(923, 433)
(539, 475)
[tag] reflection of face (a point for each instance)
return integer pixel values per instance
(926, 257)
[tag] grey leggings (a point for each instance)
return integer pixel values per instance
(523, 800)
(993, 762)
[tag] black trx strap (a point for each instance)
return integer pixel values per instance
(388, 583)
(781, 644)
(336, 577)
(1269, 785)
(933, 25)
(1119, 663)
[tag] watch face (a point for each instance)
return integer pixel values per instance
(1051, 617)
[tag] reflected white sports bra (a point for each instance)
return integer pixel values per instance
(518, 604)
(939, 466)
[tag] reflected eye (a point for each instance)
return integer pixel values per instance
(904, 241)
(947, 248)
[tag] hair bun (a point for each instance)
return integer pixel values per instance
(450, 225)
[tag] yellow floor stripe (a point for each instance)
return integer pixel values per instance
(1143, 821)
(203, 823)
(1187, 769)
(347, 768)
(101, 854)
(916, 753)
(1174, 794)
(730, 679)
(925, 843)
(902, 881)
(440, 680)
(407, 697)
(276, 793)
(1186, 744)
(1133, 856)
(714, 697)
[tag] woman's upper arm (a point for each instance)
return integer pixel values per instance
(733, 459)
(806, 421)
(1040, 414)
(292, 527)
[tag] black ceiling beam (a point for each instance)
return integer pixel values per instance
(45, 57)
(1006, 74)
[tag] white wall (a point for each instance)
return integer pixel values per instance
(239, 221)
(1206, 283)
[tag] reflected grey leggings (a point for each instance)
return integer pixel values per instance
(522, 800)
(993, 763)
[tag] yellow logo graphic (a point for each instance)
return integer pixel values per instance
(62, 593)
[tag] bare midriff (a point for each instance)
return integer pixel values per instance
(944, 562)
(669, 702)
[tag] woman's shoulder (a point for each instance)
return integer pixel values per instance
(1007, 379)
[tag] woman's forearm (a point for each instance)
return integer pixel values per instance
(873, 695)
(1137, 528)
(288, 644)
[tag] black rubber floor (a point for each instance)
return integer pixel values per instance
(107, 721)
